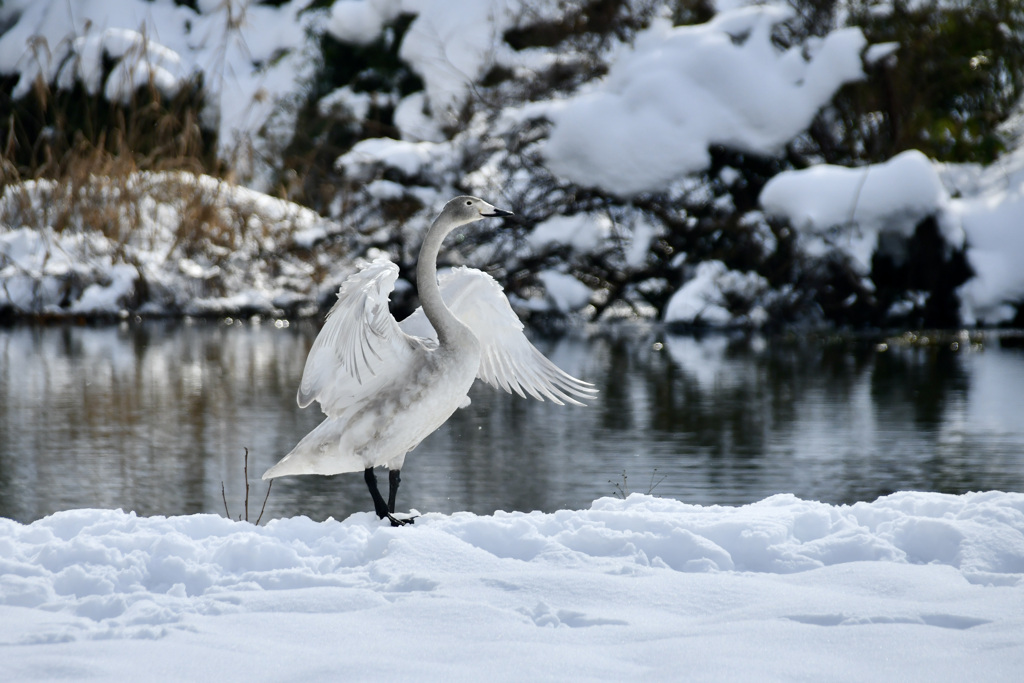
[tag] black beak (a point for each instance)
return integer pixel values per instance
(497, 213)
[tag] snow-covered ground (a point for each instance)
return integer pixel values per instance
(911, 587)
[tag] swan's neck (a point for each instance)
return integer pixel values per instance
(447, 326)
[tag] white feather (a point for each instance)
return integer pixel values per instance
(507, 358)
(360, 348)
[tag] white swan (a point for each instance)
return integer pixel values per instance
(385, 386)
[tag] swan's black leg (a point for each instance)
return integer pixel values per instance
(379, 506)
(394, 479)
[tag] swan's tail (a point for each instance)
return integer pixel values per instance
(323, 451)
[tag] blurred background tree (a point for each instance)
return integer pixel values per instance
(955, 77)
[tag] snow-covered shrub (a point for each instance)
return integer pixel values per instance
(158, 243)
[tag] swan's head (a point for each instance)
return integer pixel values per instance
(465, 209)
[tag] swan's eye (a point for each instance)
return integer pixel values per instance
(469, 202)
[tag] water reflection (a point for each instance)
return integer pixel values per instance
(153, 417)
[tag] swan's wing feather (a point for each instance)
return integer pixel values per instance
(360, 348)
(508, 360)
(417, 325)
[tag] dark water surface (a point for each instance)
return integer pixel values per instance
(154, 416)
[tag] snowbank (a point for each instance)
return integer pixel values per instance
(914, 586)
(154, 243)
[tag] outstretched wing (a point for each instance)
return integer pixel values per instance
(508, 360)
(360, 348)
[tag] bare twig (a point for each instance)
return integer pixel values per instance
(225, 499)
(223, 495)
(654, 484)
(622, 488)
(245, 470)
(269, 486)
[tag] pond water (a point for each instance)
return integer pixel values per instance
(155, 416)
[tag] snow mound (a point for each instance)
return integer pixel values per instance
(892, 196)
(565, 292)
(705, 298)
(680, 90)
(369, 157)
(848, 209)
(583, 233)
(360, 22)
(992, 220)
(919, 568)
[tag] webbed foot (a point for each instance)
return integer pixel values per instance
(400, 521)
